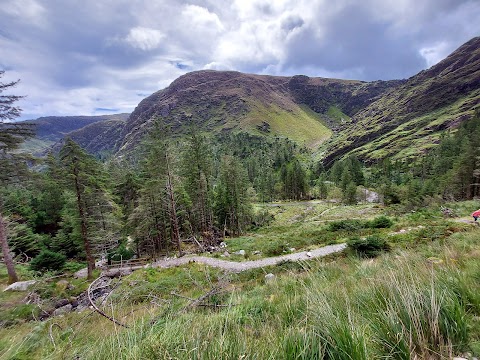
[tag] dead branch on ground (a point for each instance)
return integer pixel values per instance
(89, 291)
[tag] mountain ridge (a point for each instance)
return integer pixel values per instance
(333, 117)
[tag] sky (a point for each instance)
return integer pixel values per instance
(95, 57)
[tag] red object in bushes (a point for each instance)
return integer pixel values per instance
(476, 213)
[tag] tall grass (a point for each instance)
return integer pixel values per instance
(397, 306)
(394, 307)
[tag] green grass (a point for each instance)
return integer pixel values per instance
(301, 226)
(336, 114)
(301, 125)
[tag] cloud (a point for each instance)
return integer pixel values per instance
(26, 11)
(144, 38)
(81, 57)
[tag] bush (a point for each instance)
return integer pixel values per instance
(48, 260)
(121, 253)
(380, 222)
(368, 247)
(347, 225)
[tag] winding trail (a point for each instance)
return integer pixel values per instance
(236, 266)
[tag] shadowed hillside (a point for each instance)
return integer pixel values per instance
(407, 120)
(51, 129)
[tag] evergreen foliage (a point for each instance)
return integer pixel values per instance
(48, 260)
(12, 164)
(368, 247)
(232, 205)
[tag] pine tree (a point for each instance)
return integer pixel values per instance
(156, 218)
(197, 170)
(96, 211)
(12, 165)
(231, 201)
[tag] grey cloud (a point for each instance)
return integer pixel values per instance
(356, 42)
(292, 22)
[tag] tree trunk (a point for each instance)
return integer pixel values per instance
(12, 274)
(83, 225)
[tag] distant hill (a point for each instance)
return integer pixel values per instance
(98, 138)
(374, 120)
(51, 129)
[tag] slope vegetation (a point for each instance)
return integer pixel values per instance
(215, 101)
(408, 119)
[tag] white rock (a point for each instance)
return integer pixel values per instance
(223, 244)
(269, 277)
(226, 254)
(309, 254)
(292, 249)
(256, 252)
(240, 252)
(20, 285)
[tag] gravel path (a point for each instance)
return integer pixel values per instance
(235, 266)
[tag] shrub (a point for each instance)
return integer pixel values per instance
(48, 260)
(347, 225)
(121, 253)
(380, 222)
(368, 247)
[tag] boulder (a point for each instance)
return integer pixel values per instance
(62, 310)
(20, 285)
(269, 277)
(240, 252)
(61, 303)
(113, 273)
(309, 254)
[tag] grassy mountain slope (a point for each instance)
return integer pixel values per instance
(296, 107)
(408, 119)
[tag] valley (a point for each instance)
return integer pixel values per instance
(269, 217)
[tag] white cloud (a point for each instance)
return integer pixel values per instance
(434, 54)
(144, 38)
(28, 11)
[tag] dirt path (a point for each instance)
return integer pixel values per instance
(235, 266)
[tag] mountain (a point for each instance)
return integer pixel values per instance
(303, 109)
(397, 119)
(51, 129)
(409, 119)
(98, 138)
